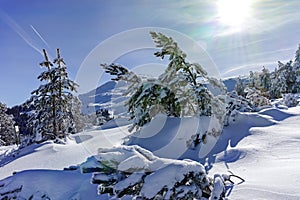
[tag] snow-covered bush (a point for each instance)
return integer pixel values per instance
(290, 100)
(131, 172)
(235, 104)
(135, 172)
(256, 98)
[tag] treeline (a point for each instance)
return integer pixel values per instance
(267, 85)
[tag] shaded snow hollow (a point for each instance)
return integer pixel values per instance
(260, 147)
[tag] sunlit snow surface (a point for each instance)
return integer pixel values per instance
(268, 159)
(263, 148)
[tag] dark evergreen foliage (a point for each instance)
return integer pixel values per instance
(103, 116)
(7, 132)
(22, 114)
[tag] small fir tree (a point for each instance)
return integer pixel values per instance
(240, 87)
(265, 80)
(276, 85)
(290, 77)
(77, 116)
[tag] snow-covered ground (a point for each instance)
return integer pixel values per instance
(56, 156)
(268, 159)
(263, 148)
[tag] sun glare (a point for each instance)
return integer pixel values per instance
(233, 13)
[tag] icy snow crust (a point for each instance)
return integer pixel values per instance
(263, 148)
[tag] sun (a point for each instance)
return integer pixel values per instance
(233, 13)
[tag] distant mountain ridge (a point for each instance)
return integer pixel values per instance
(92, 100)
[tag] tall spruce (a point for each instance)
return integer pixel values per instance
(53, 100)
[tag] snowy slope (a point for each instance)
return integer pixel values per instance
(56, 156)
(39, 184)
(167, 137)
(268, 159)
(260, 147)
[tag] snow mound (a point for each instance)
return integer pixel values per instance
(136, 172)
(171, 137)
(131, 159)
(48, 184)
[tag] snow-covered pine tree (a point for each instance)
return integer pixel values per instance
(283, 80)
(265, 81)
(180, 91)
(297, 58)
(277, 83)
(186, 80)
(275, 92)
(251, 79)
(240, 87)
(296, 69)
(76, 120)
(52, 117)
(254, 80)
(21, 115)
(7, 132)
(290, 77)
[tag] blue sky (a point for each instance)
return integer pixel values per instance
(268, 33)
